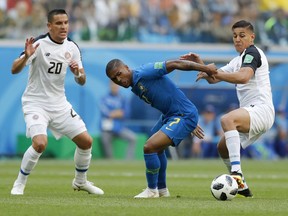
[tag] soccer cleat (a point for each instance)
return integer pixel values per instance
(18, 188)
(164, 192)
(88, 186)
(245, 193)
(148, 193)
(238, 178)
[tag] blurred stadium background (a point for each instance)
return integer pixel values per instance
(139, 31)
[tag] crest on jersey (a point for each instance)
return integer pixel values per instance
(143, 90)
(141, 87)
(67, 55)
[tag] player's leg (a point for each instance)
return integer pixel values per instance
(232, 123)
(82, 159)
(223, 152)
(229, 146)
(29, 161)
(36, 129)
(161, 181)
(82, 156)
(261, 120)
(176, 130)
(69, 123)
(172, 133)
(156, 143)
(162, 188)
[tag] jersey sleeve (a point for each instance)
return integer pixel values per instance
(228, 67)
(77, 56)
(251, 58)
(153, 70)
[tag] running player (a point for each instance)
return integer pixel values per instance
(44, 102)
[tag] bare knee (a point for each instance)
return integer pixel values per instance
(227, 122)
(83, 141)
(148, 148)
(39, 143)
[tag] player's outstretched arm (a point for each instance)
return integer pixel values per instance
(192, 57)
(186, 65)
(201, 75)
(239, 77)
(209, 79)
(20, 63)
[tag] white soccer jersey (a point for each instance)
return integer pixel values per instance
(48, 67)
(258, 89)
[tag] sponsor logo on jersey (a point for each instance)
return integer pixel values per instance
(248, 58)
(158, 65)
(167, 128)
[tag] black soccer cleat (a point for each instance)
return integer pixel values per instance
(245, 193)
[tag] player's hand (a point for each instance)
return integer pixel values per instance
(213, 69)
(74, 67)
(29, 47)
(201, 75)
(192, 57)
(198, 132)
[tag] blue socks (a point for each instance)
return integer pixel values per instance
(162, 172)
(152, 169)
(156, 170)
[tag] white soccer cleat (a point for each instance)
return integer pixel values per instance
(88, 186)
(18, 188)
(148, 193)
(164, 192)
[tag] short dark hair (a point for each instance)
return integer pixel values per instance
(54, 12)
(113, 64)
(243, 24)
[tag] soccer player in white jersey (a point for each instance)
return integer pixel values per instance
(250, 73)
(44, 102)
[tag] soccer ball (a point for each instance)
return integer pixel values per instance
(224, 187)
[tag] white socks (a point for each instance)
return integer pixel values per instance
(30, 158)
(82, 160)
(29, 161)
(233, 146)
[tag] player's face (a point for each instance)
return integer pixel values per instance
(121, 76)
(58, 28)
(242, 38)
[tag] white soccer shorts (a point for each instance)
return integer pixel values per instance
(64, 123)
(261, 120)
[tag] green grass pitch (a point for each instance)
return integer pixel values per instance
(49, 192)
